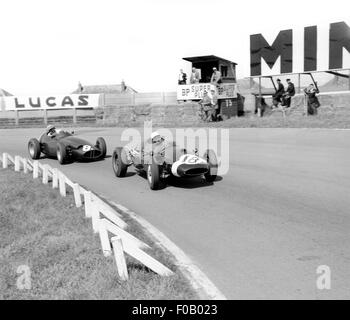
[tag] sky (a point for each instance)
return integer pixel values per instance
(48, 46)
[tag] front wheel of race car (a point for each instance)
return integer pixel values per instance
(119, 166)
(101, 145)
(34, 149)
(212, 160)
(61, 153)
(153, 175)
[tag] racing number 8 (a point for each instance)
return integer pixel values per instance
(192, 159)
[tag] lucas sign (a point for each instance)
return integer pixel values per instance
(196, 91)
(313, 48)
(51, 102)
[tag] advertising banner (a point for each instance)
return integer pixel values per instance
(313, 48)
(196, 91)
(50, 102)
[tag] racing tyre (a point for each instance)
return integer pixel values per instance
(34, 149)
(61, 153)
(153, 175)
(210, 157)
(101, 145)
(119, 166)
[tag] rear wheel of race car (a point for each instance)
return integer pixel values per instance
(61, 153)
(101, 145)
(212, 160)
(34, 149)
(119, 166)
(153, 175)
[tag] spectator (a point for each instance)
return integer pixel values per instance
(80, 87)
(312, 100)
(287, 97)
(206, 107)
(215, 105)
(122, 86)
(215, 77)
(278, 94)
(194, 76)
(182, 77)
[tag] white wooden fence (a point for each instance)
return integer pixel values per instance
(105, 220)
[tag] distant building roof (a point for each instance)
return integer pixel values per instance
(112, 88)
(206, 59)
(5, 93)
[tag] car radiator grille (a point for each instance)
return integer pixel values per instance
(92, 154)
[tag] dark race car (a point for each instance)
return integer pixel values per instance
(66, 147)
(164, 159)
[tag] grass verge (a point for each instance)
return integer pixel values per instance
(47, 233)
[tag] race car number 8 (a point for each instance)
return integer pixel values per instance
(192, 159)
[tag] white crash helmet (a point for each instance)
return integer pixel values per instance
(155, 135)
(50, 129)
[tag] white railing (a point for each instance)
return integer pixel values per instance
(105, 220)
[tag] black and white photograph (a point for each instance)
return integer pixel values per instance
(189, 152)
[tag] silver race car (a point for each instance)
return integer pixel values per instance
(160, 159)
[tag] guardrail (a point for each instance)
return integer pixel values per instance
(105, 220)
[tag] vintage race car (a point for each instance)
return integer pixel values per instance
(163, 160)
(66, 147)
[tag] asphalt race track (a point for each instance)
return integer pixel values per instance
(259, 232)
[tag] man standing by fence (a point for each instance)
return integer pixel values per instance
(312, 100)
(290, 92)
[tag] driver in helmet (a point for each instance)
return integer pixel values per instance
(51, 131)
(156, 138)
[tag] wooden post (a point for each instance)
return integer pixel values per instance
(163, 97)
(259, 102)
(105, 243)
(25, 165)
(4, 161)
(77, 197)
(45, 174)
(88, 204)
(111, 215)
(104, 116)
(74, 115)
(146, 259)
(120, 258)
(54, 178)
(45, 116)
(305, 105)
(103, 98)
(35, 169)
(62, 183)
(17, 117)
(17, 163)
(126, 236)
(299, 83)
(95, 217)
